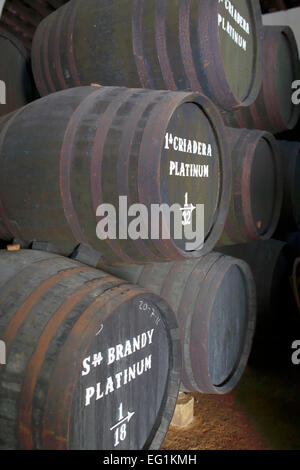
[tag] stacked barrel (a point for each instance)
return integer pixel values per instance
(134, 100)
(275, 110)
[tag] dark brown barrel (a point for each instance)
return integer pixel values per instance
(296, 282)
(92, 362)
(16, 80)
(273, 109)
(208, 46)
(271, 266)
(65, 155)
(290, 213)
(257, 187)
(214, 299)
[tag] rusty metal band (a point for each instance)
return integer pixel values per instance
(36, 361)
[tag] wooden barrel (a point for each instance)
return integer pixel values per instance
(92, 362)
(21, 18)
(290, 213)
(67, 154)
(214, 299)
(208, 46)
(257, 188)
(271, 266)
(16, 81)
(273, 110)
(296, 282)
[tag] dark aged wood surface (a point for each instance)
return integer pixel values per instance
(158, 44)
(214, 299)
(55, 315)
(257, 188)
